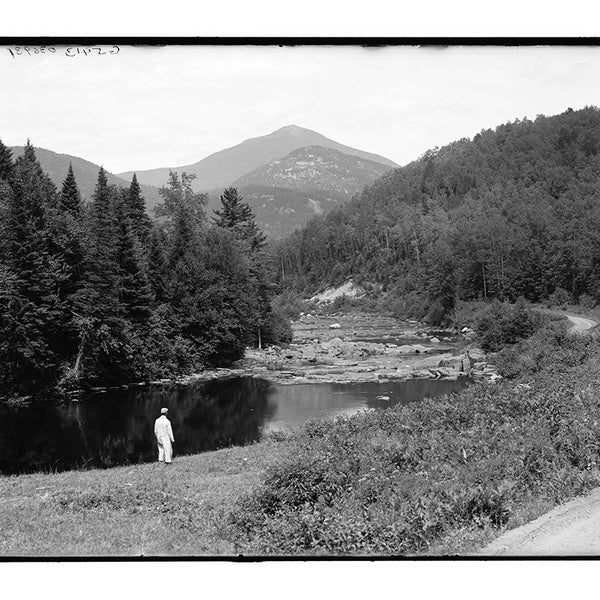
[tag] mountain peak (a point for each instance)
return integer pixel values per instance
(221, 168)
(291, 130)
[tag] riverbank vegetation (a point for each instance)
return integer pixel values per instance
(97, 293)
(439, 476)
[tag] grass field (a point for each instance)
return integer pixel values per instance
(142, 510)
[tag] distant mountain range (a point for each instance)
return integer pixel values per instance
(287, 176)
(86, 173)
(223, 168)
(289, 191)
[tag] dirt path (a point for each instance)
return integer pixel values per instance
(580, 324)
(570, 529)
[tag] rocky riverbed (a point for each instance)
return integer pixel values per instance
(355, 348)
(362, 348)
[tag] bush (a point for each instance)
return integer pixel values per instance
(290, 305)
(587, 301)
(412, 305)
(277, 329)
(551, 350)
(559, 298)
(437, 315)
(503, 324)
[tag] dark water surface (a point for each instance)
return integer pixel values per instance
(117, 428)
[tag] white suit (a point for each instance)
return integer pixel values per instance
(164, 438)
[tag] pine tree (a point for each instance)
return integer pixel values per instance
(157, 264)
(70, 198)
(135, 295)
(136, 212)
(100, 295)
(237, 216)
(6, 173)
(65, 240)
(32, 315)
(100, 319)
(234, 212)
(6, 163)
(101, 203)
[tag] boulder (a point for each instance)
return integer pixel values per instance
(477, 354)
(457, 363)
(435, 340)
(309, 353)
(335, 326)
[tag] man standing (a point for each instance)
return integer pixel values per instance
(164, 437)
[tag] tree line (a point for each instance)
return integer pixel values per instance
(515, 212)
(98, 293)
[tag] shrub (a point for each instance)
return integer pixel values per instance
(587, 301)
(277, 329)
(559, 298)
(290, 305)
(503, 324)
(412, 305)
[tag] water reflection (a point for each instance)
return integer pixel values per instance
(297, 404)
(117, 428)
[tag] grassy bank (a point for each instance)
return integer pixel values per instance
(149, 509)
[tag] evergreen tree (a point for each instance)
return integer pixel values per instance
(6, 173)
(70, 198)
(100, 315)
(136, 212)
(135, 294)
(157, 264)
(101, 204)
(31, 315)
(236, 215)
(6, 163)
(65, 239)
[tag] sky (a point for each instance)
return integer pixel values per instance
(150, 107)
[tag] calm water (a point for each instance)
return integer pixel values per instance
(117, 428)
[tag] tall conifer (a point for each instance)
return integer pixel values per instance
(157, 264)
(70, 198)
(135, 295)
(136, 212)
(237, 215)
(30, 336)
(6, 162)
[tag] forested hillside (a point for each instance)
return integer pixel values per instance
(513, 212)
(97, 293)
(55, 165)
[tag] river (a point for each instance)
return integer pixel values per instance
(116, 428)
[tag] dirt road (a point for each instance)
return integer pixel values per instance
(580, 324)
(570, 529)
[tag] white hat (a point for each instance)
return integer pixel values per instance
(164, 411)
